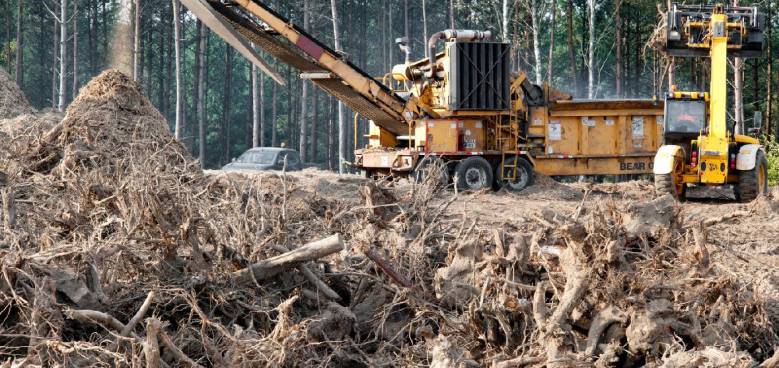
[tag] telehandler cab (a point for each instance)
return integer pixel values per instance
(699, 147)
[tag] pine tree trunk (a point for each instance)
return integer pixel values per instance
(552, 32)
(535, 28)
(91, 36)
(304, 94)
(571, 52)
(255, 116)
(424, 22)
(330, 134)
(262, 109)
(75, 48)
(137, 42)
(618, 40)
(201, 91)
(406, 32)
(390, 32)
(738, 90)
(55, 64)
(227, 103)
(19, 44)
(505, 21)
(274, 115)
(342, 132)
(104, 26)
(591, 49)
(63, 55)
(315, 127)
(7, 22)
(180, 125)
(770, 73)
(451, 14)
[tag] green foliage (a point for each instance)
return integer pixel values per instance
(772, 155)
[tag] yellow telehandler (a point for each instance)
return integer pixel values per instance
(699, 147)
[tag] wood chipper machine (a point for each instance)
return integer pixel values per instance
(461, 108)
(699, 147)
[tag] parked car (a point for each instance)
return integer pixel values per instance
(266, 158)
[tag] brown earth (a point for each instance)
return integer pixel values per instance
(117, 250)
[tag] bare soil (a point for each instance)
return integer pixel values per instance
(117, 250)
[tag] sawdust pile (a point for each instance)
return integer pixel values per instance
(117, 250)
(12, 100)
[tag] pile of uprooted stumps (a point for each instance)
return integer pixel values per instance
(118, 251)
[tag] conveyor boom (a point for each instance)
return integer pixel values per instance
(237, 21)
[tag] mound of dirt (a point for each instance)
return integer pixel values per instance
(12, 100)
(546, 188)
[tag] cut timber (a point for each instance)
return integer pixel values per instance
(270, 267)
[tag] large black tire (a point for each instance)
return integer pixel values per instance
(432, 165)
(753, 183)
(524, 177)
(664, 184)
(671, 183)
(473, 173)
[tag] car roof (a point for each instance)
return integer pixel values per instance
(271, 149)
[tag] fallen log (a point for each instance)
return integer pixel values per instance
(270, 267)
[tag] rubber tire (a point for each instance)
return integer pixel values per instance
(472, 165)
(524, 166)
(420, 173)
(664, 184)
(748, 188)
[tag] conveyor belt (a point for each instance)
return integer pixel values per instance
(293, 46)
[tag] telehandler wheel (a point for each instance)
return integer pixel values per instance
(523, 179)
(753, 183)
(672, 183)
(473, 173)
(431, 165)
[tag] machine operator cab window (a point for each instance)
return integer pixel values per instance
(684, 118)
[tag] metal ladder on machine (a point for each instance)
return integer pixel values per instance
(508, 133)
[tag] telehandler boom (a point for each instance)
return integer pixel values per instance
(699, 148)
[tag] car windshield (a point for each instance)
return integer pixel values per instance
(257, 157)
(685, 116)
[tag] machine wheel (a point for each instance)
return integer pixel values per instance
(672, 183)
(524, 175)
(431, 165)
(753, 183)
(474, 173)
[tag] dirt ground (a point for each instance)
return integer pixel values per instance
(117, 250)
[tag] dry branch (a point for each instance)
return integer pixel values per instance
(168, 342)
(138, 315)
(9, 207)
(385, 266)
(312, 278)
(273, 266)
(518, 362)
(93, 316)
(151, 348)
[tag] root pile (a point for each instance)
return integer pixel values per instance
(12, 100)
(117, 250)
